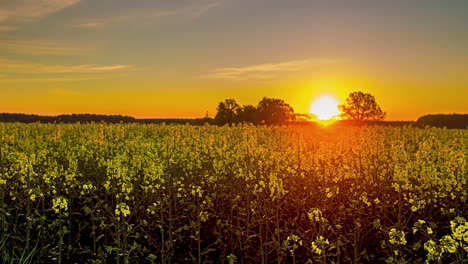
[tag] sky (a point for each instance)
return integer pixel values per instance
(180, 58)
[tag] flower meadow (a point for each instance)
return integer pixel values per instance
(134, 193)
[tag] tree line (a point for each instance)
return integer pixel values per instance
(449, 121)
(268, 111)
(88, 118)
(73, 118)
(359, 108)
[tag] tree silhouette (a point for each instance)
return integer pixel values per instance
(227, 112)
(449, 121)
(73, 118)
(248, 113)
(274, 111)
(361, 106)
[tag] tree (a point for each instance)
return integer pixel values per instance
(227, 112)
(361, 106)
(449, 121)
(274, 111)
(248, 113)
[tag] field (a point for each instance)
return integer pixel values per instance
(128, 193)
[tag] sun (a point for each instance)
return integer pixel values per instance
(325, 107)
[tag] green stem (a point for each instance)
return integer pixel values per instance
(124, 236)
(162, 236)
(199, 244)
(61, 239)
(278, 235)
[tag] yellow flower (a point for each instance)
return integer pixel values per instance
(448, 244)
(315, 215)
(122, 209)
(397, 237)
(429, 230)
(59, 204)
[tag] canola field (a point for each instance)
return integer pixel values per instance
(133, 193)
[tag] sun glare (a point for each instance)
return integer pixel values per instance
(325, 107)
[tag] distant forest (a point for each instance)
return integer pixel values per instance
(459, 121)
(449, 121)
(87, 118)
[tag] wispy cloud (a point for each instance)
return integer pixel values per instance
(13, 66)
(41, 47)
(109, 68)
(103, 22)
(194, 9)
(6, 79)
(258, 71)
(205, 6)
(16, 12)
(98, 23)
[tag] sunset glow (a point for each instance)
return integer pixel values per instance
(325, 107)
(233, 131)
(179, 59)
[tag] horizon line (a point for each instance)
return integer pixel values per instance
(181, 118)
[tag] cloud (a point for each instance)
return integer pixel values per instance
(199, 10)
(41, 47)
(5, 79)
(103, 22)
(130, 15)
(110, 68)
(13, 66)
(15, 12)
(258, 71)
(93, 24)
(193, 10)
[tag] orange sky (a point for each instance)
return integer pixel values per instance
(180, 59)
